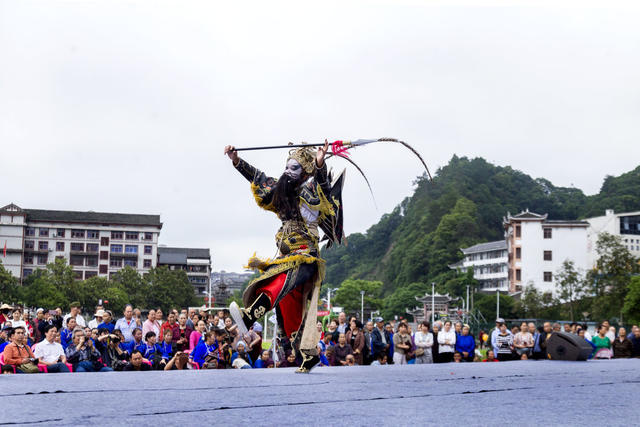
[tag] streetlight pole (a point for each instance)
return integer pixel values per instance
(362, 307)
(467, 314)
(497, 303)
(433, 303)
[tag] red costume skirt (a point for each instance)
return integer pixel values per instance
(290, 306)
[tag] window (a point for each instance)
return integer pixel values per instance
(104, 254)
(28, 258)
(116, 235)
(518, 253)
(77, 234)
(77, 275)
(88, 274)
(77, 247)
(92, 261)
(630, 225)
(43, 232)
(27, 272)
(131, 249)
(518, 231)
(93, 234)
(29, 244)
(148, 236)
(148, 250)
(547, 233)
(104, 241)
(103, 269)
(518, 275)
(131, 262)
(60, 232)
(116, 262)
(548, 256)
(117, 249)
(76, 260)
(92, 247)
(548, 277)
(59, 246)
(132, 235)
(30, 231)
(146, 263)
(43, 246)
(42, 259)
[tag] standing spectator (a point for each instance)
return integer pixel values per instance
(494, 334)
(355, 338)
(37, 331)
(368, 338)
(537, 350)
(107, 321)
(127, 324)
(390, 331)
(602, 343)
(567, 328)
(4, 313)
(424, 343)
(379, 338)
(16, 320)
(51, 353)
(97, 318)
(523, 342)
(635, 341)
(83, 355)
(190, 315)
(18, 354)
(544, 338)
(170, 324)
(136, 363)
(75, 313)
(343, 326)
(611, 333)
(504, 341)
(137, 316)
(150, 325)
(447, 342)
(458, 328)
(622, 347)
(401, 345)
(341, 350)
(557, 327)
(466, 344)
(435, 350)
(66, 335)
(42, 324)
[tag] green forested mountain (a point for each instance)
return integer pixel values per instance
(463, 206)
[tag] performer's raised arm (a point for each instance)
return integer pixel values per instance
(261, 184)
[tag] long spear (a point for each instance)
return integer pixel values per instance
(340, 148)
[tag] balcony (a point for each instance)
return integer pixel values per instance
(123, 254)
(85, 253)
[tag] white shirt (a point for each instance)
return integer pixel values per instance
(611, 336)
(424, 341)
(48, 351)
(444, 336)
(79, 320)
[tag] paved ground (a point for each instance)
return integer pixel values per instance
(518, 393)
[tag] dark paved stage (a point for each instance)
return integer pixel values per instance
(516, 393)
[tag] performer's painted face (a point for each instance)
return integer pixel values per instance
(293, 169)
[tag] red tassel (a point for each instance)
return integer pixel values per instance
(338, 149)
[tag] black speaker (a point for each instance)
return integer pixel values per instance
(563, 346)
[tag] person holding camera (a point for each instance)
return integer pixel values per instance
(18, 354)
(50, 352)
(83, 355)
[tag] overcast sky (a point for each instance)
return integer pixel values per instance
(125, 106)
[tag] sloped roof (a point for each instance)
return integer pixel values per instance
(485, 247)
(168, 255)
(91, 217)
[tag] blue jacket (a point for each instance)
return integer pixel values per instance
(149, 351)
(66, 337)
(201, 351)
(466, 343)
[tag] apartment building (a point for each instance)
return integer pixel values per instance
(490, 264)
(624, 225)
(195, 261)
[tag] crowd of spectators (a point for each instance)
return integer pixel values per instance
(200, 339)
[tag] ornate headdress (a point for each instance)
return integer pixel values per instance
(306, 156)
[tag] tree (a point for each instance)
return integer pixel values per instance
(403, 298)
(348, 295)
(9, 288)
(570, 285)
(61, 277)
(609, 280)
(41, 291)
(631, 308)
(168, 289)
(487, 306)
(133, 285)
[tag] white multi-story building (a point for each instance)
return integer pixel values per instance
(490, 265)
(624, 225)
(196, 262)
(93, 243)
(537, 247)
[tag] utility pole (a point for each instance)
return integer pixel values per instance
(362, 307)
(433, 302)
(467, 314)
(497, 303)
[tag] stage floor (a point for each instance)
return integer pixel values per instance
(518, 393)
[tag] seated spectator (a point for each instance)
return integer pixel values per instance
(330, 355)
(75, 313)
(289, 361)
(167, 348)
(107, 321)
(4, 336)
(16, 320)
(351, 361)
(323, 359)
(150, 350)
(50, 353)
(82, 354)
(602, 344)
(7, 369)
(180, 361)
(264, 361)
(253, 343)
(491, 357)
(523, 342)
(136, 342)
(457, 357)
(635, 341)
(18, 354)
(466, 344)
(622, 347)
(240, 359)
(136, 363)
(184, 332)
(381, 359)
(150, 325)
(205, 349)
(342, 349)
(172, 325)
(197, 335)
(97, 318)
(66, 334)
(504, 342)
